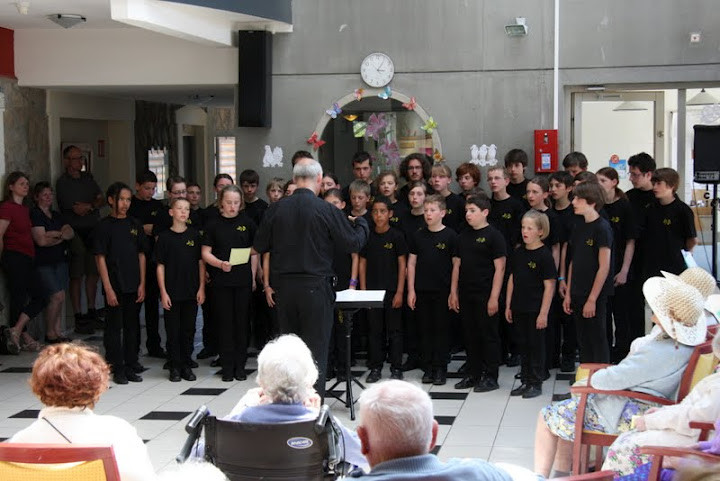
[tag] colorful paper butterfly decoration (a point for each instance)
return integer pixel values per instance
(315, 142)
(438, 157)
(411, 104)
(334, 110)
(358, 94)
(429, 126)
(386, 93)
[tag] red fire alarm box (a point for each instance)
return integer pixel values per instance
(546, 151)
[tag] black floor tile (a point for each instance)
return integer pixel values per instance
(448, 395)
(17, 370)
(436, 449)
(26, 414)
(203, 391)
(565, 376)
(445, 420)
(166, 415)
(560, 397)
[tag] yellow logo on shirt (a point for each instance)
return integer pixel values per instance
(449, 211)
(134, 232)
(507, 215)
(241, 228)
(394, 220)
(590, 242)
(615, 219)
(388, 245)
(153, 213)
(667, 221)
(189, 221)
(190, 243)
(441, 246)
(532, 265)
(481, 240)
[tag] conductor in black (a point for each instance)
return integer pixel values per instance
(300, 232)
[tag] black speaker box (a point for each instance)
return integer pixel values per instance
(254, 99)
(706, 152)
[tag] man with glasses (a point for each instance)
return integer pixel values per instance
(414, 167)
(79, 198)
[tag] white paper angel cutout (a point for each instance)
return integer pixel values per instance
(273, 158)
(491, 155)
(482, 155)
(474, 154)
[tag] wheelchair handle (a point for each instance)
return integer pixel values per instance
(193, 428)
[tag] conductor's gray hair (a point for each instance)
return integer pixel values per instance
(400, 417)
(286, 370)
(307, 169)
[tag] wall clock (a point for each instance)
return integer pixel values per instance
(377, 70)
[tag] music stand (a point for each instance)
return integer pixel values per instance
(349, 302)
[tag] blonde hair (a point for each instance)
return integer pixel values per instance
(541, 222)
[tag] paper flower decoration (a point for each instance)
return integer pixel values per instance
(359, 129)
(376, 125)
(334, 110)
(429, 126)
(390, 151)
(358, 94)
(438, 157)
(386, 93)
(411, 104)
(315, 142)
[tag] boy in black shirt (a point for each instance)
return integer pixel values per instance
(120, 245)
(516, 161)
(177, 253)
(176, 189)
(146, 209)
(477, 279)
(670, 227)
(382, 266)
(440, 182)
(255, 207)
(575, 162)
(589, 282)
(429, 274)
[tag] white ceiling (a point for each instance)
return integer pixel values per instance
(97, 13)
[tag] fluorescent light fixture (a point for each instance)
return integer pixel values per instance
(67, 20)
(518, 29)
(703, 98)
(595, 88)
(630, 106)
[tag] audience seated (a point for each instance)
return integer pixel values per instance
(654, 365)
(69, 379)
(668, 425)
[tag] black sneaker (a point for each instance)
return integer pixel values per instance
(206, 354)
(410, 364)
(396, 374)
(486, 385)
(187, 374)
(138, 368)
(119, 378)
(192, 364)
(546, 375)
(513, 360)
(466, 383)
(227, 377)
(440, 377)
(427, 377)
(166, 366)
(133, 377)
(518, 375)
(215, 362)
(174, 375)
(240, 374)
(519, 391)
(567, 365)
(463, 369)
(374, 376)
(532, 391)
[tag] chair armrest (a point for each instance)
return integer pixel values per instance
(628, 394)
(596, 476)
(593, 366)
(701, 425)
(679, 453)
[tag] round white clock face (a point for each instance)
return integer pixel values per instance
(377, 70)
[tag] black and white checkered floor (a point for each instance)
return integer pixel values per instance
(491, 426)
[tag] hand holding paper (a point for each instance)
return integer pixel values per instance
(239, 256)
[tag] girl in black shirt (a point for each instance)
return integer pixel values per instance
(529, 293)
(231, 284)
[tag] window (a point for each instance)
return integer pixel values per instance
(225, 156)
(158, 163)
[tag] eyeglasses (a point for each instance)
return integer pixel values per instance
(635, 175)
(178, 192)
(414, 167)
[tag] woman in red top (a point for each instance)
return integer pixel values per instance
(18, 262)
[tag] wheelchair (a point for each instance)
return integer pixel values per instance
(309, 450)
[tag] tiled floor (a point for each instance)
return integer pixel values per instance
(492, 426)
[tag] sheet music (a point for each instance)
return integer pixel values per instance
(351, 295)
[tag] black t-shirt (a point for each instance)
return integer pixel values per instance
(52, 254)
(179, 252)
(146, 211)
(120, 241)
(586, 241)
(434, 252)
(209, 213)
(565, 217)
(555, 235)
(455, 212)
(477, 250)
(668, 228)
(382, 252)
(399, 209)
(640, 201)
(224, 234)
(529, 269)
(624, 227)
(256, 209)
(411, 223)
(506, 216)
(519, 191)
(163, 221)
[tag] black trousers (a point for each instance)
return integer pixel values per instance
(337, 352)
(305, 307)
(636, 304)
(152, 313)
(482, 335)
(209, 327)
(432, 316)
(180, 330)
(508, 343)
(618, 313)
(411, 341)
(232, 306)
(385, 324)
(120, 337)
(260, 320)
(27, 294)
(531, 342)
(592, 334)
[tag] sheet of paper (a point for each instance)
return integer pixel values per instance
(239, 256)
(350, 295)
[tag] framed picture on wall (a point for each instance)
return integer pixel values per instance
(87, 153)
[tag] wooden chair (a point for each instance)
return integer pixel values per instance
(57, 462)
(596, 476)
(701, 364)
(660, 452)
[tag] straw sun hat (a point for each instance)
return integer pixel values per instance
(704, 282)
(678, 308)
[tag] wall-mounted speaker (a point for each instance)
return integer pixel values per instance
(254, 98)
(706, 152)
